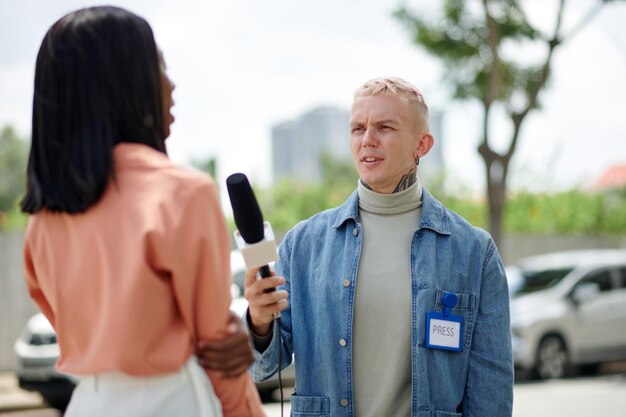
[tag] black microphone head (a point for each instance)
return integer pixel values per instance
(246, 211)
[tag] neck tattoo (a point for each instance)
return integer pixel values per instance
(406, 181)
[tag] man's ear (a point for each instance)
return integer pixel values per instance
(424, 144)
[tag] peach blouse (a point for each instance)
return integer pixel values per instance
(132, 284)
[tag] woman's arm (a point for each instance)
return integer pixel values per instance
(201, 281)
(230, 357)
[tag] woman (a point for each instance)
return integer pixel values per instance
(125, 253)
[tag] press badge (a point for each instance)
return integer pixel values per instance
(443, 330)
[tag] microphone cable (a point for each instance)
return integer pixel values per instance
(266, 272)
(280, 378)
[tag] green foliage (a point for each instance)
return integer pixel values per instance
(339, 178)
(13, 159)
(569, 212)
(290, 201)
(461, 39)
(572, 212)
(471, 210)
(13, 220)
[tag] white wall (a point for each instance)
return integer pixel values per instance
(15, 304)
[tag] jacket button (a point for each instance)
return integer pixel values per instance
(344, 402)
(346, 282)
(355, 231)
(342, 342)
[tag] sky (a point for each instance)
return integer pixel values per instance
(242, 66)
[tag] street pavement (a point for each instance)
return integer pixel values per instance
(600, 396)
(603, 396)
(13, 398)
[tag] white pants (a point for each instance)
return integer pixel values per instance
(186, 393)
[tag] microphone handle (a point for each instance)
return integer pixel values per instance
(266, 273)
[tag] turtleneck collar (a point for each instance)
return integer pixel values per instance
(395, 203)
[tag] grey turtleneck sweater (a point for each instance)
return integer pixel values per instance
(382, 310)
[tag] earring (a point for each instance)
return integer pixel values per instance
(417, 160)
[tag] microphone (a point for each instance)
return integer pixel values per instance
(254, 237)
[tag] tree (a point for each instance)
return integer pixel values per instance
(13, 157)
(470, 39)
(13, 160)
(290, 201)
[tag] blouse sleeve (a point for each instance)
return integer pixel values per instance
(32, 283)
(201, 279)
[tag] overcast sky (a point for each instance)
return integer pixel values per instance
(241, 66)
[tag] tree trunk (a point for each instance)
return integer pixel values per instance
(496, 191)
(496, 168)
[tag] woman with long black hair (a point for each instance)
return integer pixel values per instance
(126, 254)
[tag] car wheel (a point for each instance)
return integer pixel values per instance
(552, 358)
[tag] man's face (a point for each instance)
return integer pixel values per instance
(383, 137)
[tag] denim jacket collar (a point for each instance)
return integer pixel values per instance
(434, 215)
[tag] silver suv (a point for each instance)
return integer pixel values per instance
(568, 311)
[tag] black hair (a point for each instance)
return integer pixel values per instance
(97, 83)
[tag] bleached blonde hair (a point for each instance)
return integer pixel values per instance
(393, 86)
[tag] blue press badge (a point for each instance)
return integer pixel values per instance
(443, 330)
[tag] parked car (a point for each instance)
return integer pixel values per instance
(37, 352)
(568, 311)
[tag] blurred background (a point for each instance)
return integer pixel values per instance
(527, 109)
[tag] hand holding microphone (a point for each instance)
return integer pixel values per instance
(255, 241)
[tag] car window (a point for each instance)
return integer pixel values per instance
(621, 283)
(540, 279)
(602, 278)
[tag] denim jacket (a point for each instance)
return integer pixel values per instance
(319, 259)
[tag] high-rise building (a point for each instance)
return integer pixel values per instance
(298, 145)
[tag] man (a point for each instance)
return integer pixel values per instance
(391, 304)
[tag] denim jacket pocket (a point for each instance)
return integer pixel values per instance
(436, 413)
(465, 307)
(303, 406)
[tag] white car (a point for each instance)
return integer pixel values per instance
(37, 352)
(568, 311)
